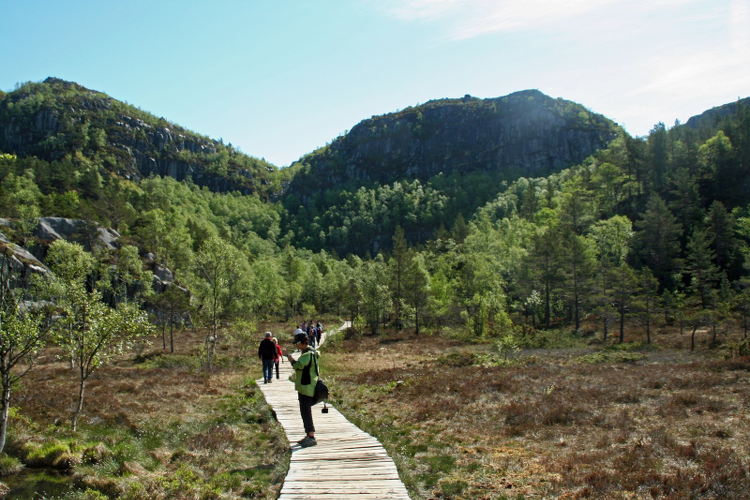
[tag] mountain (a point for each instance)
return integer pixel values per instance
(710, 119)
(56, 119)
(443, 158)
(525, 132)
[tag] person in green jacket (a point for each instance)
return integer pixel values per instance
(305, 379)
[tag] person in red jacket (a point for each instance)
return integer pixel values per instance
(267, 352)
(279, 356)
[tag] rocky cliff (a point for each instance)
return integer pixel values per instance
(709, 120)
(55, 119)
(525, 133)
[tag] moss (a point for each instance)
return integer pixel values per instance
(44, 454)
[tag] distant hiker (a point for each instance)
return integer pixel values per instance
(310, 331)
(305, 379)
(267, 352)
(279, 356)
(318, 331)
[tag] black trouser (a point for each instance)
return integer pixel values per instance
(305, 410)
(277, 368)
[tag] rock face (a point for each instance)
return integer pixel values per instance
(79, 231)
(526, 132)
(90, 236)
(21, 259)
(709, 119)
(54, 118)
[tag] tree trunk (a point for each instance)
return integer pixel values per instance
(692, 339)
(72, 359)
(416, 321)
(171, 334)
(713, 335)
(79, 405)
(622, 325)
(4, 409)
(606, 328)
(210, 345)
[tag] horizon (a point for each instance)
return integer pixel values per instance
(279, 80)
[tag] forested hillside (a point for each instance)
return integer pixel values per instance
(479, 241)
(423, 166)
(85, 130)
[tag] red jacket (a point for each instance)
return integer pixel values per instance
(279, 353)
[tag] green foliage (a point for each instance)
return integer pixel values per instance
(9, 465)
(91, 332)
(22, 335)
(93, 128)
(551, 339)
(611, 357)
(478, 251)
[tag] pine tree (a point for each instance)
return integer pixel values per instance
(417, 288)
(700, 267)
(397, 266)
(721, 227)
(658, 240)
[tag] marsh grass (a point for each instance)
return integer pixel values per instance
(629, 421)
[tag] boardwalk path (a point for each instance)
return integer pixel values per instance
(347, 462)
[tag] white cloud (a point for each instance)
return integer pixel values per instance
(471, 18)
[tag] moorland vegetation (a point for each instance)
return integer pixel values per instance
(637, 239)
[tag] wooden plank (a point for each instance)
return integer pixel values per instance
(347, 462)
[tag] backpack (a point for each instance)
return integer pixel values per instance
(321, 389)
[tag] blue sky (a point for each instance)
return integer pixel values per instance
(280, 78)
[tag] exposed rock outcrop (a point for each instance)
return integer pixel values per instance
(80, 231)
(526, 133)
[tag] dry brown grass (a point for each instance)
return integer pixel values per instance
(673, 425)
(175, 429)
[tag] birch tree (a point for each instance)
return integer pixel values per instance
(22, 335)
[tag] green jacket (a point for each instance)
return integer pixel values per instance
(306, 372)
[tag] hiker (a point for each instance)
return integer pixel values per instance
(279, 356)
(308, 330)
(305, 379)
(267, 352)
(318, 330)
(311, 339)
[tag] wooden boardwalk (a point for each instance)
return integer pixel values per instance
(346, 463)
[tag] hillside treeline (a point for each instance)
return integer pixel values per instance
(644, 230)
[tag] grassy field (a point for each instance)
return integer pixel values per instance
(154, 426)
(583, 421)
(462, 419)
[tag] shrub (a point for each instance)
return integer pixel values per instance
(96, 454)
(611, 357)
(9, 465)
(451, 488)
(458, 359)
(551, 339)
